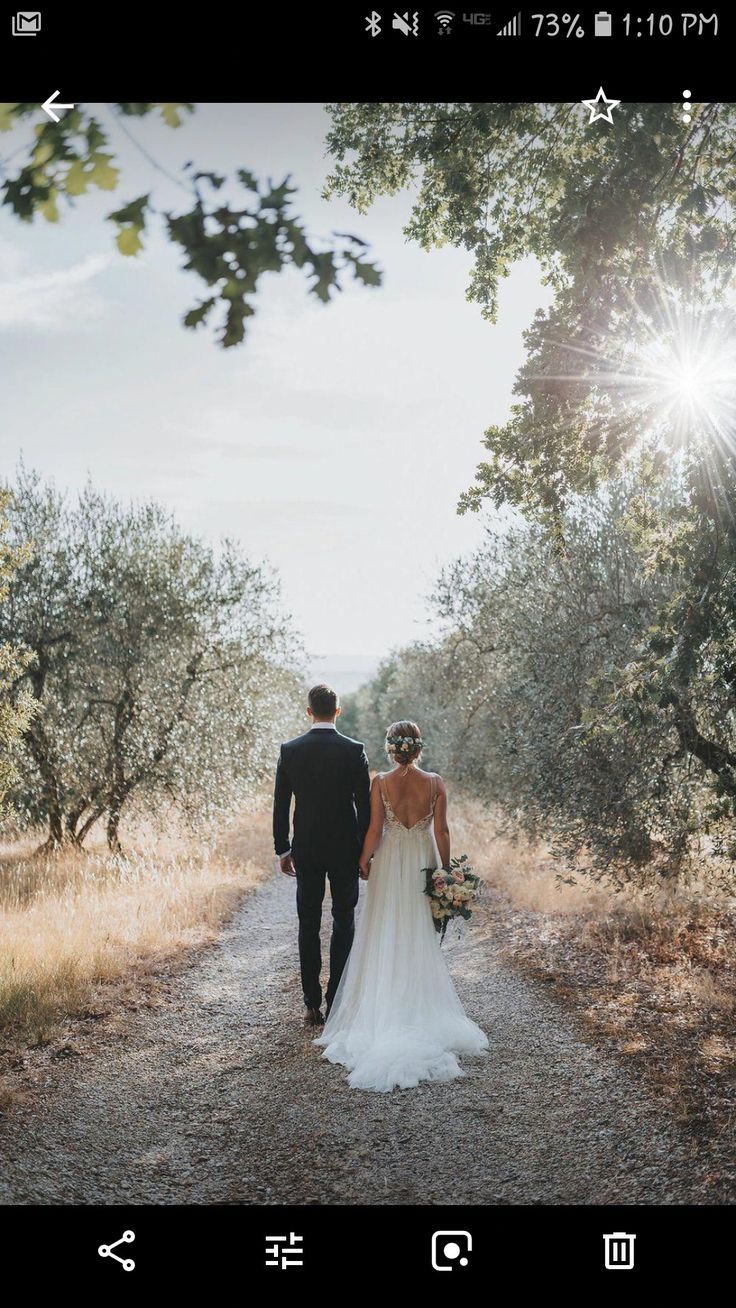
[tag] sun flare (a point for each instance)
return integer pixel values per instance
(687, 377)
(670, 370)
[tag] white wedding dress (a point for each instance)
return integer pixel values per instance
(396, 1018)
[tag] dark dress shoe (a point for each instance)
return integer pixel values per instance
(313, 1017)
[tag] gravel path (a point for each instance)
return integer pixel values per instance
(217, 1096)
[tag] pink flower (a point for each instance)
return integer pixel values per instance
(458, 876)
(440, 884)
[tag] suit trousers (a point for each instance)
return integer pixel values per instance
(312, 870)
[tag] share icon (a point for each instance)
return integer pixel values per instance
(106, 1251)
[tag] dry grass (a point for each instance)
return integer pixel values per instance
(525, 872)
(653, 973)
(72, 921)
(531, 879)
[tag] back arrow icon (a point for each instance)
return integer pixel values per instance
(46, 106)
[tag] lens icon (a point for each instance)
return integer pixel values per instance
(450, 1250)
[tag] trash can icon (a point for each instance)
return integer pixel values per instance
(603, 24)
(619, 1251)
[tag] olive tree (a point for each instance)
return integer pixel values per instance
(633, 365)
(157, 662)
(16, 706)
(514, 696)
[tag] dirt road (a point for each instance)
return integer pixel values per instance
(216, 1095)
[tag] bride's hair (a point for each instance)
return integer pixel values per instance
(403, 742)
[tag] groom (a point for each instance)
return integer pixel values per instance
(327, 773)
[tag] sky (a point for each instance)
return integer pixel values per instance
(334, 443)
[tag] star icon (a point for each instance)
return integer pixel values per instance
(600, 107)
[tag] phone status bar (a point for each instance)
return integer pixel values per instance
(566, 25)
(355, 50)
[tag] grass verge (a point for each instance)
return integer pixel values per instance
(74, 922)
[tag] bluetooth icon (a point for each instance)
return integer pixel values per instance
(373, 24)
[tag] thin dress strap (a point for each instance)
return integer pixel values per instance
(432, 791)
(384, 796)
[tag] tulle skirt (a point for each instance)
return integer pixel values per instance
(396, 1018)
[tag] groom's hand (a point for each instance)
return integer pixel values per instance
(364, 869)
(287, 865)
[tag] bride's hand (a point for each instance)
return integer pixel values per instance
(364, 867)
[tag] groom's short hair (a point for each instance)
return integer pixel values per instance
(323, 701)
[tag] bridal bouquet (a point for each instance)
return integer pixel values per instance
(451, 892)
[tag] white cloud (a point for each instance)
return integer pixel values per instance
(10, 260)
(49, 301)
(230, 450)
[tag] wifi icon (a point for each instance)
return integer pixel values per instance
(444, 18)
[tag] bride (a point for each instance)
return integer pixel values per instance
(396, 1018)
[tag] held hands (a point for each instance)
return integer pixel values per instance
(287, 865)
(364, 868)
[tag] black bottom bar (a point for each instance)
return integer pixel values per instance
(347, 1250)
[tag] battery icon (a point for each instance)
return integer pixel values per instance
(603, 24)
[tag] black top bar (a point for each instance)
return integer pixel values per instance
(327, 51)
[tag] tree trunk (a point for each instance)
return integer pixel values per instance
(55, 838)
(72, 820)
(74, 834)
(113, 825)
(49, 791)
(87, 827)
(714, 757)
(41, 753)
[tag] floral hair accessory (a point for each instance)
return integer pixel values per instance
(405, 744)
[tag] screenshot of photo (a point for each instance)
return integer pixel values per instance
(367, 647)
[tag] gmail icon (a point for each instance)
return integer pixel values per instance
(26, 24)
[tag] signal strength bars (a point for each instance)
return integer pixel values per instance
(512, 28)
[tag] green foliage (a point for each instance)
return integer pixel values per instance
(611, 215)
(230, 244)
(632, 751)
(231, 248)
(408, 684)
(16, 704)
(348, 720)
(158, 665)
(520, 698)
